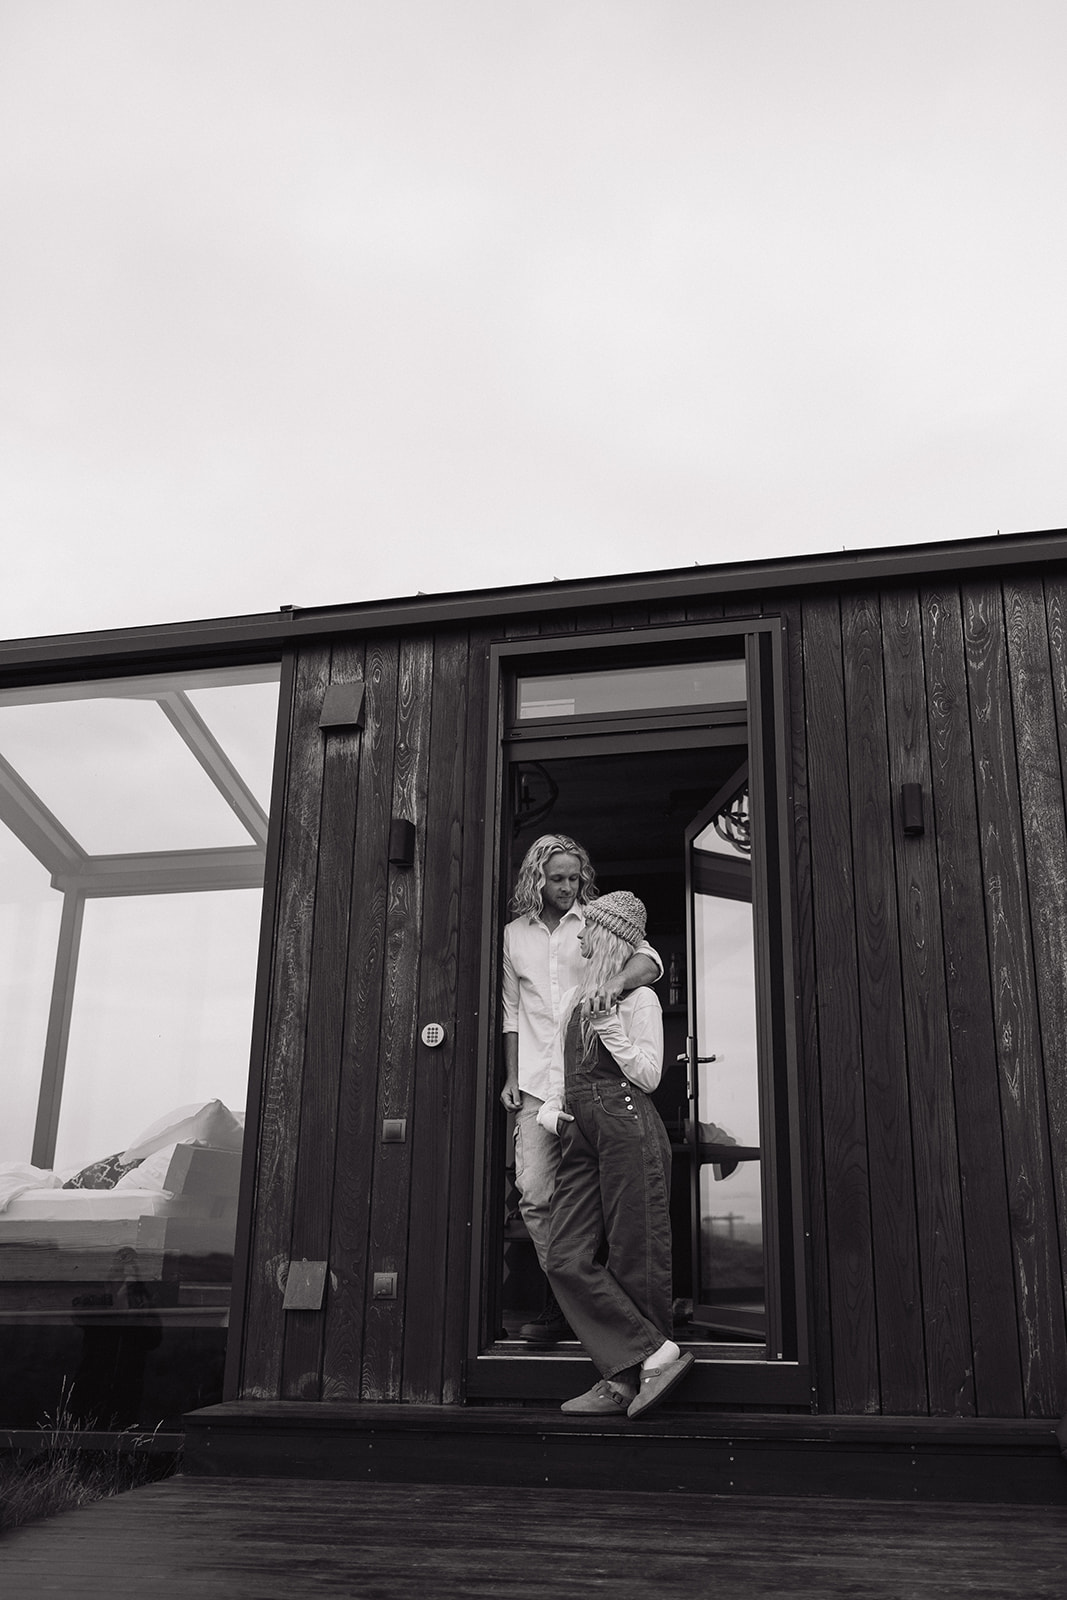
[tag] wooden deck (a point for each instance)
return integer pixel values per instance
(281, 1539)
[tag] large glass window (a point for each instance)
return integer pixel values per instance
(133, 821)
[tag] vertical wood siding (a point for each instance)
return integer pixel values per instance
(938, 966)
(367, 953)
(932, 1002)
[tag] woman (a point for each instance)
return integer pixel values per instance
(613, 1182)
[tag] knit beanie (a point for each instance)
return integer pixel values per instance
(621, 913)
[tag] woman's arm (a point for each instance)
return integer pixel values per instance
(633, 1036)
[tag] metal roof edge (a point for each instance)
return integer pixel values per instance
(266, 633)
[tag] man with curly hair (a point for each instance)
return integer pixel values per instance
(542, 961)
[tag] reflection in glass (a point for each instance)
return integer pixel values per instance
(132, 846)
(583, 694)
(728, 1260)
(728, 1097)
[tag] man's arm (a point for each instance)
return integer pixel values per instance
(638, 971)
(510, 1094)
(509, 993)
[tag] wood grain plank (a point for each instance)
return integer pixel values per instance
(666, 613)
(808, 1030)
(287, 1538)
(1039, 1289)
(473, 1076)
(597, 619)
(707, 609)
(390, 1202)
(436, 1070)
(631, 615)
(1056, 1081)
(898, 1293)
(852, 1383)
(969, 1008)
(1045, 843)
(552, 623)
(945, 1309)
(286, 1030)
(357, 1131)
(317, 1135)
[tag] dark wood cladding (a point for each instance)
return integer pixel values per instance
(931, 997)
(937, 963)
(367, 953)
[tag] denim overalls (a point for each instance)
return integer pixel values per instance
(613, 1183)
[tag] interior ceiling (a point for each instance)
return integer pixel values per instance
(627, 810)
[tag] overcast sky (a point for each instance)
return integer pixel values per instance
(313, 301)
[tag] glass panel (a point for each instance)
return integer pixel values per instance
(30, 910)
(583, 694)
(728, 1259)
(729, 832)
(242, 718)
(731, 1218)
(117, 775)
(116, 1243)
(160, 1016)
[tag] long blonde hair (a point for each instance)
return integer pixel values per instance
(526, 900)
(608, 954)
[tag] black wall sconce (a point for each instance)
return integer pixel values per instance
(401, 842)
(911, 808)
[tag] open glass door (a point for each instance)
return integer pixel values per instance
(723, 1130)
(676, 782)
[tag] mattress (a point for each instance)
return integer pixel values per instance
(88, 1205)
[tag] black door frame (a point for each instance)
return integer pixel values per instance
(779, 1373)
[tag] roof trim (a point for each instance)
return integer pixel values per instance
(264, 635)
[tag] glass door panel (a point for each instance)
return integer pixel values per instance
(724, 1124)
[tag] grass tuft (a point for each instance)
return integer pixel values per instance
(69, 1468)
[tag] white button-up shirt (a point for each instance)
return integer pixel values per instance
(540, 968)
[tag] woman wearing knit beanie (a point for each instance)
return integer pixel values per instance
(613, 1182)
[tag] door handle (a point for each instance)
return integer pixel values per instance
(692, 1061)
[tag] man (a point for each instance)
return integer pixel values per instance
(542, 961)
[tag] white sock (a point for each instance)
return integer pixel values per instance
(667, 1352)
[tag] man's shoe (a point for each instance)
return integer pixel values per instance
(549, 1328)
(599, 1401)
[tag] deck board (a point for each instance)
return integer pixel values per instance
(280, 1539)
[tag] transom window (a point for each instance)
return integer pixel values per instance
(626, 689)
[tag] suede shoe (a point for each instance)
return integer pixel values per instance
(658, 1383)
(599, 1401)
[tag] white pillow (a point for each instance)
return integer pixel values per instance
(152, 1172)
(209, 1123)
